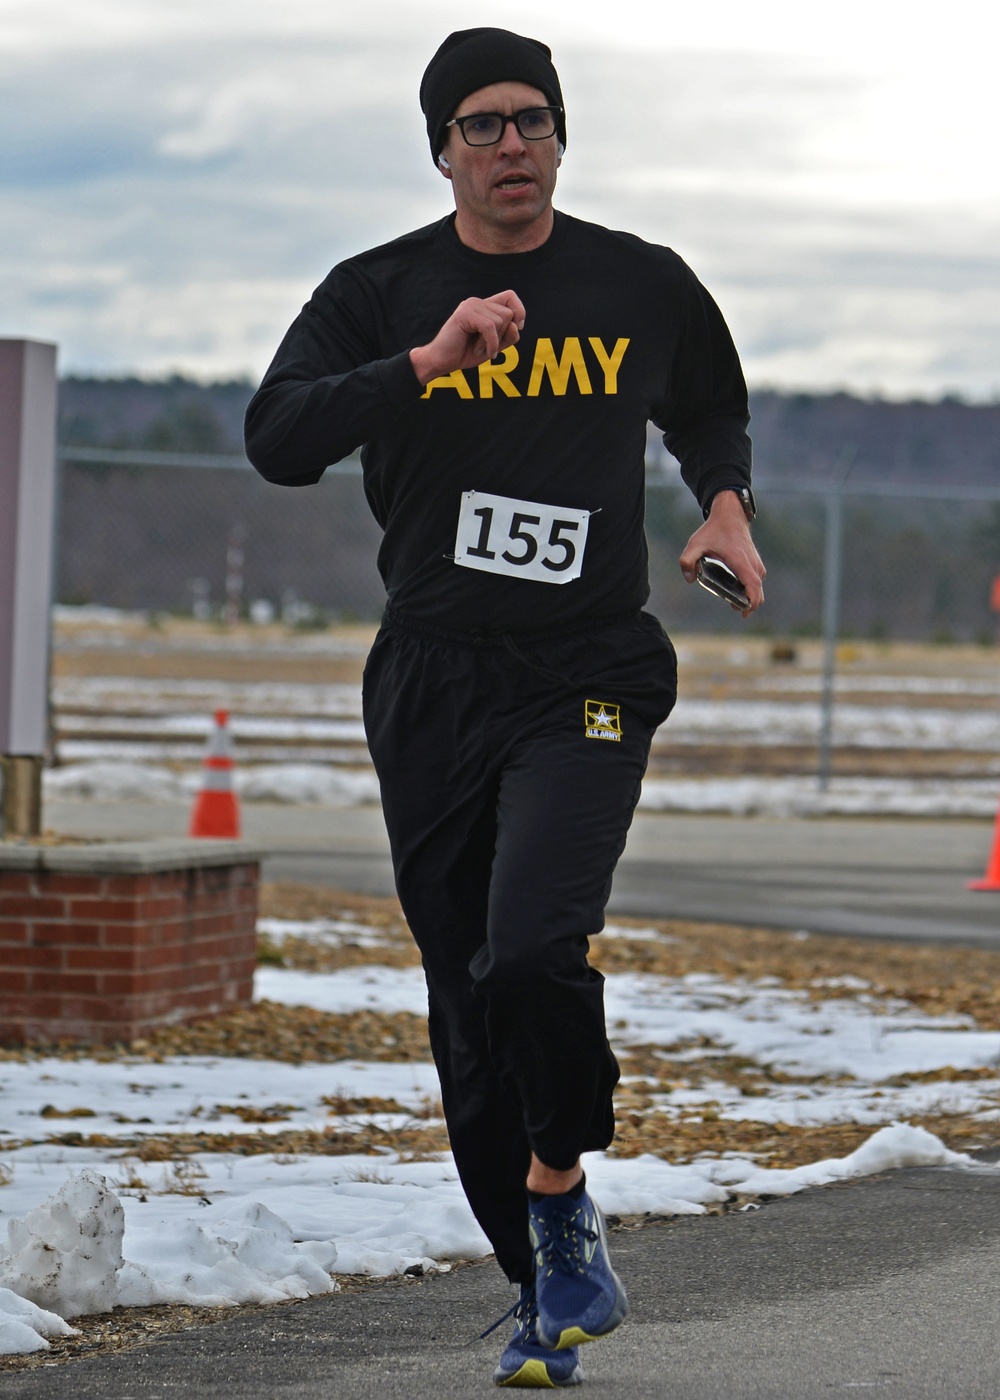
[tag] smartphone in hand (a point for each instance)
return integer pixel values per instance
(720, 580)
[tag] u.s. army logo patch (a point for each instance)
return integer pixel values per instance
(602, 721)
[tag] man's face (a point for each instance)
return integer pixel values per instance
(503, 193)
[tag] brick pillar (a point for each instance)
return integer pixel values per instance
(105, 943)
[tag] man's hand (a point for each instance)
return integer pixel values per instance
(475, 331)
(726, 535)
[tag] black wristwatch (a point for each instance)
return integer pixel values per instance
(746, 501)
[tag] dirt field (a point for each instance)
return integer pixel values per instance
(716, 672)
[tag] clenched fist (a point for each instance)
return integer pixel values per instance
(476, 331)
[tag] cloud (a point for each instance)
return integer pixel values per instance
(177, 177)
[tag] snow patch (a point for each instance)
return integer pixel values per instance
(375, 988)
(126, 782)
(66, 1255)
(246, 1255)
(349, 1214)
(24, 1327)
(313, 783)
(333, 785)
(900, 1145)
(323, 785)
(800, 797)
(64, 1259)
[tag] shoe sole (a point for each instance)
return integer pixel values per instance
(535, 1375)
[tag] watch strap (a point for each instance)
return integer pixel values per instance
(746, 501)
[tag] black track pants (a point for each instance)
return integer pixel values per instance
(509, 775)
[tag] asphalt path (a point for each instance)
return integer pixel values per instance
(887, 1285)
(879, 877)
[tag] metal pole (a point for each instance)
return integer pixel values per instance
(21, 805)
(832, 570)
(27, 492)
(831, 622)
(234, 575)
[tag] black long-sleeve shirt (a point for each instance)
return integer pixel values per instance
(617, 332)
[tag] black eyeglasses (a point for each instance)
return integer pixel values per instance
(487, 128)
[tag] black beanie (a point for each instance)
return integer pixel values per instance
(471, 59)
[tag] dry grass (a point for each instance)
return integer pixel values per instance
(777, 1144)
(266, 1031)
(414, 1141)
(938, 980)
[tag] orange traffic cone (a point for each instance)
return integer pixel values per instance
(216, 810)
(991, 880)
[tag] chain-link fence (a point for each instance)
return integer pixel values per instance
(914, 562)
(158, 531)
(176, 532)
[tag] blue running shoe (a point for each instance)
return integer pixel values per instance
(580, 1297)
(524, 1361)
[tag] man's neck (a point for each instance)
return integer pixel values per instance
(488, 238)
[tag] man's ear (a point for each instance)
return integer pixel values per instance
(444, 166)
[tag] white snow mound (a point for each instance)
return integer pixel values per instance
(901, 1145)
(66, 1256)
(24, 1327)
(118, 781)
(314, 783)
(248, 1256)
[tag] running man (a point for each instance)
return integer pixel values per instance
(497, 370)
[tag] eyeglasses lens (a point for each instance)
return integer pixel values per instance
(487, 128)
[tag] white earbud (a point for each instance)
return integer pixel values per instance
(562, 150)
(442, 161)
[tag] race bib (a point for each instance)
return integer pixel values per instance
(522, 539)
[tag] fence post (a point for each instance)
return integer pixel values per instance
(831, 620)
(832, 574)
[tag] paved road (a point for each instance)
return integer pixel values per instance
(892, 879)
(887, 1285)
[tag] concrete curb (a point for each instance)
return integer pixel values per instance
(130, 857)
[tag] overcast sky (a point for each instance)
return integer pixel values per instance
(176, 175)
